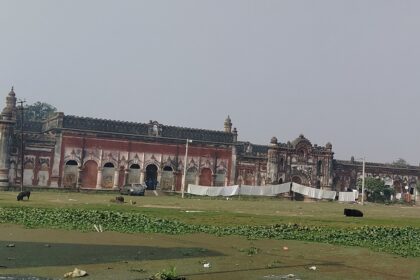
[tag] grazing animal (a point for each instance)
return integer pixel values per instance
(21, 195)
(119, 199)
(353, 213)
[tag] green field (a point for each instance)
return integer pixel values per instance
(234, 235)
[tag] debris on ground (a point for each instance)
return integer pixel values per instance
(75, 273)
(282, 277)
(312, 268)
(206, 265)
(285, 248)
(98, 228)
(11, 245)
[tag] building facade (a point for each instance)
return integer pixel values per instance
(87, 153)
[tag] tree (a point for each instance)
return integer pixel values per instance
(400, 162)
(38, 111)
(376, 189)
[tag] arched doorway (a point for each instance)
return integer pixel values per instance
(108, 173)
(205, 177)
(249, 178)
(297, 196)
(70, 174)
(134, 174)
(28, 174)
(151, 177)
(12, 173)
(220, 178)
(90, 174)
(297, 180)
(281, 181)
(167, 179)
(191, 177)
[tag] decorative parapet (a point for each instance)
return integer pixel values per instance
(152, 129)
(92, 124)
(197, 134)
(378, 165)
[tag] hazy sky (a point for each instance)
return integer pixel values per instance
(347, 72)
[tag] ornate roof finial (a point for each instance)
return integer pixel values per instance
(228, 125)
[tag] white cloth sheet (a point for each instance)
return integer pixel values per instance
(347, 196)
(313, 192)
(269, 190)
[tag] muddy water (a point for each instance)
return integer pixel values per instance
(11, 277)
(35, 254)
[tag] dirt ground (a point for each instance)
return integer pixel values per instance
(110, 255)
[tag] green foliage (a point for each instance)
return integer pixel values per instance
(376, 189)
(397, 240)
(400, 163)
(38, 111)
(274, 264)
(251, 251)
(169, 274)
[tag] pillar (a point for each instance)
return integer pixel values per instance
(116, 178)
(159, 179)
(99, 179)
(6, 130)
(142, 177)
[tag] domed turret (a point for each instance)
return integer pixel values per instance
(9, 112)
(228, 125)
(328, 146)
(274, 140)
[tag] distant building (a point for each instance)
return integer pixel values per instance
(77, 152)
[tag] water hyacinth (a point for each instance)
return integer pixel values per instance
(402, 241)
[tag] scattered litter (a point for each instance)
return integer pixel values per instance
(98, 228)
(312, 267)
(285, 248)
(288, 276)
(193, 211)
(75, 273)
(206, 265)
(71, 199)
(11, 245)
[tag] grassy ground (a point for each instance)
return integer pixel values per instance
(137, 256)
(229, 212)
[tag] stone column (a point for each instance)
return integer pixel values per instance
(142, 177)
(4, 153)
(116, 178)
(159, 179)
(55, 172)
(79, 178)
(126, 174)
(99, 179)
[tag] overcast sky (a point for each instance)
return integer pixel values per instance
(345, 72)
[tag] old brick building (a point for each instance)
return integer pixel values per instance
(76, 152)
